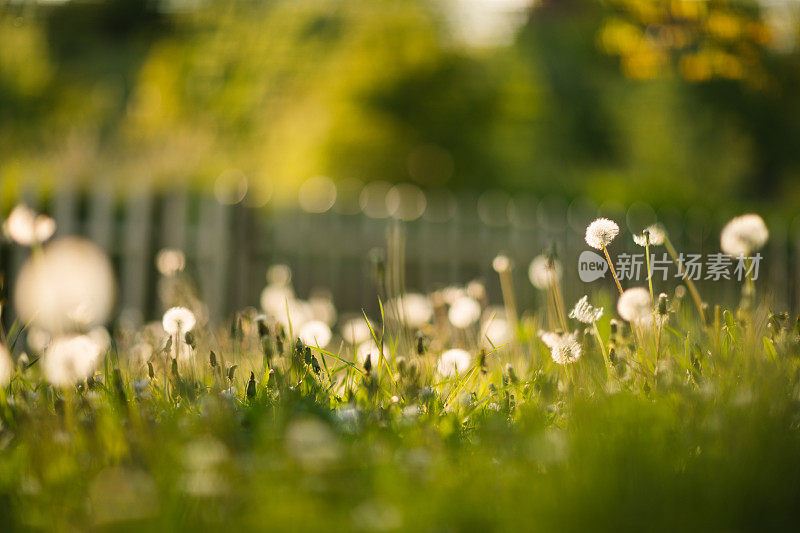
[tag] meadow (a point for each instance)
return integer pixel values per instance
(657, 412)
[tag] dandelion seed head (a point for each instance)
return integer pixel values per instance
(657, 235)
(744, 235)
(464, 312)
(566, 349)
(549, 338)
(496, 331)
(453, 362)
(315, 333)
(279, 275)
(70, 359)
(501, 263)
(26, 227)
(6, 366)
(170, 261)
(544, 271)
(356, 331)
(477, 290)
(68, 286)
(100, 337)
(178, 320)
(601, 232)
(647, 322)
(321, 308)
(585, 312)
(635, 304)
(415, 309)
(274, 298)
(369, 349)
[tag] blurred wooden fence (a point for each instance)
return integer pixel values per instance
(229, 247)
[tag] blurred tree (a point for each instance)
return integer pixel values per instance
(664, 101)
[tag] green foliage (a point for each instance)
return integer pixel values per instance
(705, 439)
(589, 100)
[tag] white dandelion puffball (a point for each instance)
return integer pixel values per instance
(6, 366)
(70, 285)
(566, 349)
(635, 304)
(496, 332)
(414, 309)
(464, 312)
(70, 359)
(315, 333)
(544, 271)
(585, 312)
(279, 275)
(657, 235)
(647, 322)
(453, 362)
(26, 227)
(178, 320)
(274, 299)
(501, 263)
(549, 338)
(170, 261)
(601, 232)
(322, 308)
(371, 349)
(100, 337)
(451, 293)
(356, 331)
(744, 235)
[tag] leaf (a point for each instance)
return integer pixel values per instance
(769, 347)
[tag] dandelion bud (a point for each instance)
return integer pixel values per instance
(190, 339)
(231, 371)
(368, 364)
(315, 365)
(263, 328)
(212, 359)
(378, 261)
(420, 343)
(251, 386)
(512, 374)
(119, 385)
(150, 372)
(706, 314)
(662, 304)
(175, 373)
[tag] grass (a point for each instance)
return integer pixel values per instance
(705, 440)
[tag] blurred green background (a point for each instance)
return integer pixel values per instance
(673, 103)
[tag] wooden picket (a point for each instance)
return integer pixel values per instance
(229, 247)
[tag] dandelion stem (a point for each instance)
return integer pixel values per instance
(689, 283)
(562, 317)
(507, 288)
(613, 272)
(652, 296)
(602, 349)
